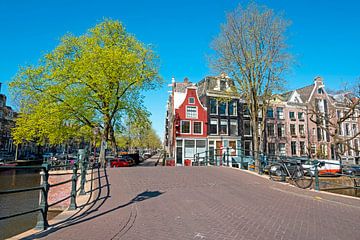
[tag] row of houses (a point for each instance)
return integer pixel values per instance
(208, 115)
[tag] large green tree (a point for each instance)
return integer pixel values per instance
(251, 48)
(93, 79)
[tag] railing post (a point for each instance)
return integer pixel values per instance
(241, 159)
(73, 188)
(206, 158)
(83, 177)
(227, 156)
(42, 222)
(317, 185)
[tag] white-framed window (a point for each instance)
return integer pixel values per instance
(282, 149)
(271, 148)
(223, 108)
(185, 127)
(233, 108)
(213, 106)
(293, 148)
(281, 130)
(302, 148)
(247, 128)
(189, 147)
(270, 129)
(223, 126)
(191, 100)
(301, 116)
(213, 126)
(280, 113)
(233, 127)
(197, 129)
(191, 112)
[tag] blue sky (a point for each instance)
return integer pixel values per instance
(324, 36)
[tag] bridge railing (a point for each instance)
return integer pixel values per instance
(44, 187)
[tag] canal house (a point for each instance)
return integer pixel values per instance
(186, 135)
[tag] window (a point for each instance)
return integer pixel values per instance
(313, 149)
(340, 129)
(222, 85)
(280, 113)
(247, 148)
(292, 115)
(247, 128)
(319, 134)
(270, 113)
(270, 129)
(347, 130)
(271, 149)
(200, 147)
(191, 100)
(282, 149)
(213, 126)
(222, 108)
(233, 108)
(213, 106)
(223, 126)
(281, 130)
(302, 148)
(354, 129)
(197, 127)
(356, 147)
(185, 127)
(292, 130)
(246, 111)
(293, 148)
(191, 112)
(320, 91)
(189, 148)
(301, 116)
(301, 130)
(233, 127)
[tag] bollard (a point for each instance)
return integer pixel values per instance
(317, 185)
(206, 158)
(42, 222)
(73, 188)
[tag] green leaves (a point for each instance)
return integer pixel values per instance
(91, 80)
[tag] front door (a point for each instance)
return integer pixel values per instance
(218, 153)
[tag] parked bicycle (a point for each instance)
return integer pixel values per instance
(302, 177)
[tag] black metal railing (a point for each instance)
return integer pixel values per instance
(45, 168)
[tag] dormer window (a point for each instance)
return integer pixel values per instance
(191, 100)
(223, 85)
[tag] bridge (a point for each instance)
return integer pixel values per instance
(203, 203)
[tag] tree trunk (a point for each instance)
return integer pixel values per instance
(104, 138)
(256, 144)
(113, 140)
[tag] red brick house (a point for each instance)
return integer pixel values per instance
(187, 118)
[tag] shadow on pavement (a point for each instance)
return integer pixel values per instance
(93, 206)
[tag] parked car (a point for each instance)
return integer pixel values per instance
(353, 170)
(326, 167)
(119, 162)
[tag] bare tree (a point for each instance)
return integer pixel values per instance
(341, 121)
(251, 48)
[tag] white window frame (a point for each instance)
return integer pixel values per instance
(193, 99)
(216, 106)
(190, 117)
(284, 150)
(217, 126)
(282, 113)
(226, 109)
(227, 126)
(234, 108)
(247, 135)
(181, 127)
(237, 127)
(201, 127)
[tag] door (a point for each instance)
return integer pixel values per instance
(179, 152)
(218, 153)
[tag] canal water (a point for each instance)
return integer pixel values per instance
(18, 202)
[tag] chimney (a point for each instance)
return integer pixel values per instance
(318, 79)
(186, 80)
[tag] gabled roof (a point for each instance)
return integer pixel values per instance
(305, 92)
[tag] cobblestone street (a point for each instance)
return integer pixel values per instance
(208, 203)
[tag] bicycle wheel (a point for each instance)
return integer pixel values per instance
(302, 178)
(277, 172)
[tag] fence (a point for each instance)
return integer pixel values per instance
(327, 177)
(42, 221)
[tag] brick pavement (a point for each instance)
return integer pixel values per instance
(208, 203)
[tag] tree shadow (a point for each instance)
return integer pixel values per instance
(95, 205)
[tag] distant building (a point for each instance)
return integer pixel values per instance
(7, 122)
